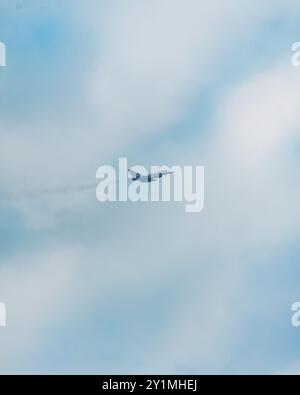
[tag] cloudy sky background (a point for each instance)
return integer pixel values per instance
(147, 288)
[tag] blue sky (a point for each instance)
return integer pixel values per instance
(147, 288)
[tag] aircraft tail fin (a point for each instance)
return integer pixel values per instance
(134, 174)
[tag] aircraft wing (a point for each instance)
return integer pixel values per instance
(161, 173)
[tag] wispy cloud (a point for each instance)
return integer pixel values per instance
(148, 64)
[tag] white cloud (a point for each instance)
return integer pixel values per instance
(251, 213)
(151, 59)
(38, 289)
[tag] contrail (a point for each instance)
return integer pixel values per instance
(53, 191)
(40, 193)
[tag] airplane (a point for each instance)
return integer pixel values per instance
(148, 178)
